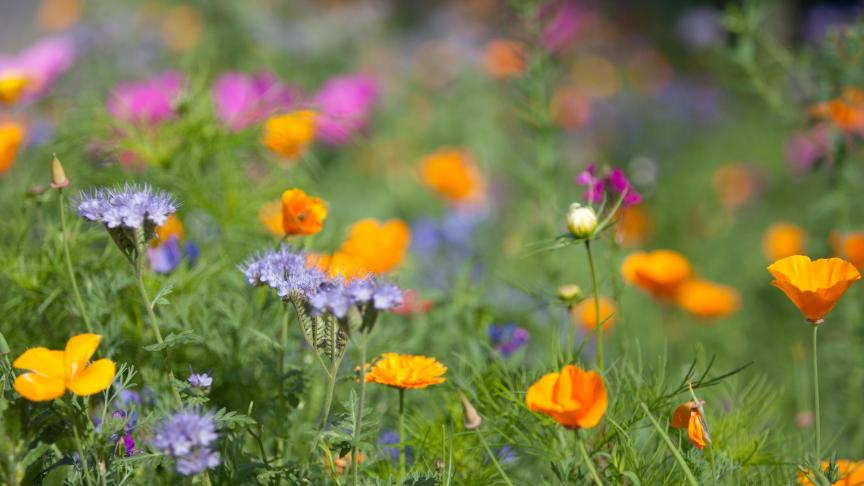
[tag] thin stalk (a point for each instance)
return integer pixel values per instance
(598, 329)
(493, 458)
(571, 339)
(816, 396)
(358, 419)
(81, 457)
(401, 435)
(592, 471)
(68, 259)
(283, 340)
(691, 479)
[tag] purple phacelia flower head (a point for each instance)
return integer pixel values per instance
(507, 339)
(242, 99)
(150, 101)
(202, 381)
(131, 207)
(345, 106)
(338, 297)
(283, 270)
(188, 437)
(614, 184)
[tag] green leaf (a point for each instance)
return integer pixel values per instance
(232, 420)
(172, 340)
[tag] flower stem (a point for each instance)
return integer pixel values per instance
(283, 339)
(401, 435)
(68, 258)
(598, 329)
(592, 471)
(816, 396)
(493, 458)
(358, 419)
(691, 479)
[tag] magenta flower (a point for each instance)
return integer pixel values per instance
(150, 101)
(345, 106)
(613, 184)
(563, 21)
(243, 99)
(806, 148)
(42, 63)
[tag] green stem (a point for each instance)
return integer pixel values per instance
(81, 457)
(598, 329)
(675, 452)
(68, 259)
(571, 339)
(358, 419)
(401, 435)
(283, 339)
(592, 471)
(493, 458)
(816, 396)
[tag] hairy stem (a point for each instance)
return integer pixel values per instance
(68, 258)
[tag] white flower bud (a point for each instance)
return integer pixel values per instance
(581, 220)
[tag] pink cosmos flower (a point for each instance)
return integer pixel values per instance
(564, 21)
(42, 63)
(242, 99)
(614, 184)
(345, 106)
(150, 101)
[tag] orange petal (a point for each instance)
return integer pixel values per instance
(539, 396)
(94, 378)
(594, 400)
(681, 415)
(38, 388)
(79, 349)
(42, 361)
(696, 430)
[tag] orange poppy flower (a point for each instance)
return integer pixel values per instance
(634, 226)
(380, 246)
(11, 135)
(783, 240)
(453, 174)
(659, 272)
(51, 373)
(302, 214)
(504, 58)
(270, 216)
(689, 416)
(12, 84)
(575, 398)
(705, 299)
(289, 135)
(851, 473)
(845, 115)
(339, 264)
(735, 184)
(585, 314)
(814, 286)
(849, 245)
(406, 371)
(173, 227)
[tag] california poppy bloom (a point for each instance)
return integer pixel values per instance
(575, 398)
(783, 240)
(12, 84)
(851, 473)
(11, 135)
(453, 174)
(270, 216)
(302, 214)
(406, 371)
(172, 228)
(634, 226)
(689, 416)
(289, 135)
(735, 185)
(814, 286)
(705, 299)
(658, 272)
(585, 314)
(850, 246)
(504, 58)
(50, 373)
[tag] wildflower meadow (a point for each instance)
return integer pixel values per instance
(462, 242)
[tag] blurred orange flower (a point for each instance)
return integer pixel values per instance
(302, 214)
(270, 216)
(658, 272)
(453, 174)
(12, 84)
(11, 135)
(689, 416)
(51, 373)
(406, 371)
(634, 226)
(289, 135)
(735, 184)
(570, 109)
(586, 314)
(783, 240)
(181, 28)
(172, 227)
(845, 112)
(58, 15)
(849, 245)
(372, 246)
(814, 286)
(851, 473)
(504, 58)
(575, 398)
(705, 299)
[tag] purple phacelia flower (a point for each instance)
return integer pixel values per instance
(614, 184)
(344, 106)
(200, 380)
(283, 270)
(130, 207)
(337, 297)
(242, 99)
(188, 436)
(150, 101)
(507, 339)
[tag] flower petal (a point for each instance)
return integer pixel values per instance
(42, 361)
(37, 388)
(94, 378)
(79, 349)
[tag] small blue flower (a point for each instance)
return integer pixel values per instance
(507, 339)
(200, 380)
(187, 437)
(282, 270)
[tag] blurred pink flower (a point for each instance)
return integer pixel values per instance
(150, 101)
(345, 106)
(242, 99)
(42, 63)
(614, 183)
(805, 148)
(563, 21)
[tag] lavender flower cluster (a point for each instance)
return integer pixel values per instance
(131, 207)
(288, 272)
(187, 436)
